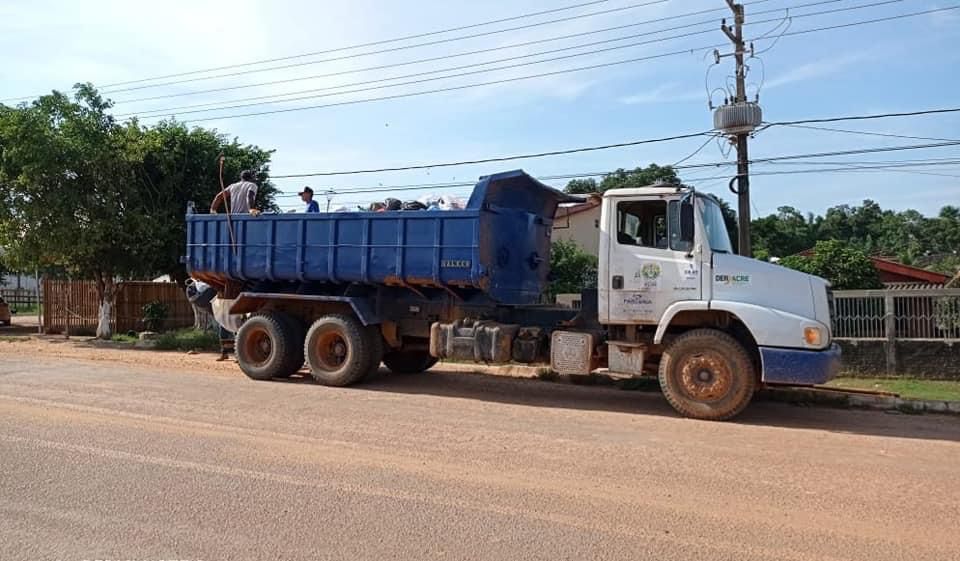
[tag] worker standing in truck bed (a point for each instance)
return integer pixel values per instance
(239, 197)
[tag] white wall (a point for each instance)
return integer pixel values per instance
(581, 228)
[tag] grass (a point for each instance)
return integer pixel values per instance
(188, 340)
(907, 388)
(123, 338)
(26, 310)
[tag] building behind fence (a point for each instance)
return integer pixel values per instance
(73, 306)
(909, 330)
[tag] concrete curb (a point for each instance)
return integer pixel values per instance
(816, 396)
(861, 401)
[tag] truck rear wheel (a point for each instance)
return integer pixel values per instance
(269, 346)
(338, 350)
(707, 374)
(409, 362)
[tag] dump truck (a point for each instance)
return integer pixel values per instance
(344, 292)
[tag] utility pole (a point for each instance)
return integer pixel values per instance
(738, 118)
(329, 194)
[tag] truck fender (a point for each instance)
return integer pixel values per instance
(771, 327)
(674, 309)
(252, 301)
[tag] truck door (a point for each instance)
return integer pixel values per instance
(649, 266)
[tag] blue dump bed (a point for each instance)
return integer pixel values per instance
(499, 244)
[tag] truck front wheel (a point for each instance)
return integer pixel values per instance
(409, 362)
(707, 374)
(338, 350)
(268, 346)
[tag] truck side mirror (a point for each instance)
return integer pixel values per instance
(686, 222)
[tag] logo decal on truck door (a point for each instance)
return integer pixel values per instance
(649, 276)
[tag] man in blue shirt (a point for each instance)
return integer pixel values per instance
(307, 196)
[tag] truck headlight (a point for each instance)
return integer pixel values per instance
(813, 336)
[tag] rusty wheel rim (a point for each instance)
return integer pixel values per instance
(331, 350)
(705, 377)
(257, 347)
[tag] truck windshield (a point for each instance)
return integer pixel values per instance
(715, 227)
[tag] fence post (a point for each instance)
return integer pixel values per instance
(890, 332)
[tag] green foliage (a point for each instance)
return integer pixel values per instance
(82, 193)
(176, 166)
(581, 186)
(907, 387)
(188, 340)
(67, 190)
(846, 267)
(571, 268)
(123, 338)
(621, 178)
(907, 236)
(155, 315)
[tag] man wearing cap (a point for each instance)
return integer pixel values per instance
(307, 196)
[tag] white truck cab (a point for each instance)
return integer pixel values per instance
(721, 325)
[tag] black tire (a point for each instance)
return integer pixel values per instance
(338, 349)
(409, 362)
(295, 335)
(376, 352)
(707, 374)
(267, 347)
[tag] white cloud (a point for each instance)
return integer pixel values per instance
(818, 69)
(666, 93)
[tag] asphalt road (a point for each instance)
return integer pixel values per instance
(107, 461)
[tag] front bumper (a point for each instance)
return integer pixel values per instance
(798, 366)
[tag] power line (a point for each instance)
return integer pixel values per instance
(499, 159)
(440, 90)
(890, 167)
(869, 133)
(467, 53)
(880, 166)
(361, 45)
(533, 76)
(218, 106)
(670, 138)
(350, 47)
(407, 63)
(786, 159)
(390, 50)
(864, 117)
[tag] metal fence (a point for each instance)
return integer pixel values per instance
(20, 298)
(932, 314)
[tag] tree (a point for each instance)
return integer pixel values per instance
(621, 178)
(69, 193)
(782, 234)
(730, 223)
(101, 200)
(177, 165)
(571, 268)
(581, 186)
(846, 267)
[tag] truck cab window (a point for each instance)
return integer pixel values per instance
(642, 223)
(677, 241)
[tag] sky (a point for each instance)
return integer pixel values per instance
(902, 65)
